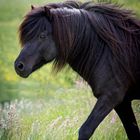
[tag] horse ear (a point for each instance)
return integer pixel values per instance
(32, 7)
(48, 12)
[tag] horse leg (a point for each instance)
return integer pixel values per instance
(103, 107)
(125, 112)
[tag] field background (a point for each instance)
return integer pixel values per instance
(45, 106)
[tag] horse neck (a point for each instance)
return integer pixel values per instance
(86, 53)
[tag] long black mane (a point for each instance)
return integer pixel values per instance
(83, 31)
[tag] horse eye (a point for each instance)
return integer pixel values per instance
(42, 36)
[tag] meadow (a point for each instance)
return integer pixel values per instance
(46, 106)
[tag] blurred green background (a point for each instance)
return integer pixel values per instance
(45, 106)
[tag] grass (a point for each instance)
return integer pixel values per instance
(58, 118)
(45, 107)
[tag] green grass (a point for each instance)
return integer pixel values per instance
(57, 118)
(44, 106)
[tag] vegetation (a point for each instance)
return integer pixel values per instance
(44, 106)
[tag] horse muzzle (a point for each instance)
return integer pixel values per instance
(21, 69)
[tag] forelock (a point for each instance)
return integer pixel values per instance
(33, 24)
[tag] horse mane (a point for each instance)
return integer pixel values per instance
(83, 30)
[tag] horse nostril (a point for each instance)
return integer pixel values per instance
(20, 66)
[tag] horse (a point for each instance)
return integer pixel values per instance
(100, 42)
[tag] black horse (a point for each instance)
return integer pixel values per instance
(100, 41)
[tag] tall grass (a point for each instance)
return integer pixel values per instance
(58, 118)
(44, 106)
